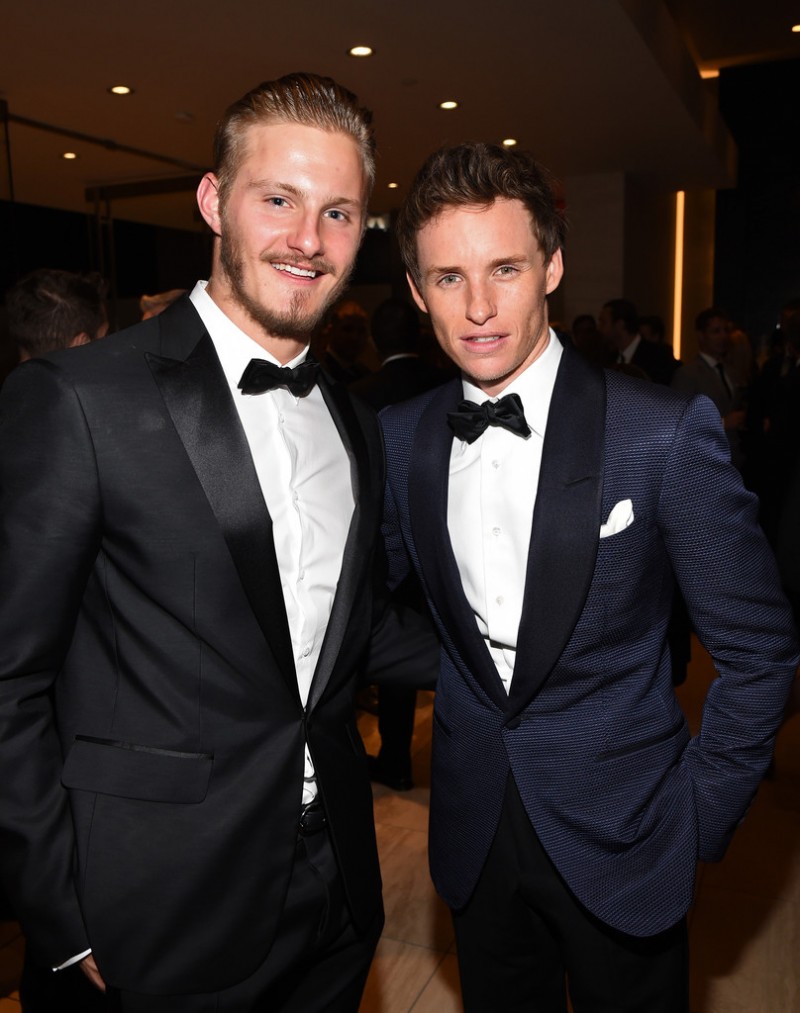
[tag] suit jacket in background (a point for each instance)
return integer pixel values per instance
(146, 666)
(656, 360)
(398, 380)
(698, 377)
(623, 798)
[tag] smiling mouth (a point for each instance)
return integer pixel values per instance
(297, 272)
(482, 339)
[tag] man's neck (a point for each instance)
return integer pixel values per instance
(281, 348)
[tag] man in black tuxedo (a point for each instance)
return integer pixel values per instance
(188, 520)
(548, 508)
(618, 322)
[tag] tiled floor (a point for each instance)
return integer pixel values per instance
(744, 928)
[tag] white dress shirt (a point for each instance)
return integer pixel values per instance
(304, 473)
(628, 352)
(492, 491)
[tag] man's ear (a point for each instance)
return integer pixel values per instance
(79, 339)
(415, 293)
(208, 201)
(555, 271)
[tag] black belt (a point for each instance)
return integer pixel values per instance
(312, 819)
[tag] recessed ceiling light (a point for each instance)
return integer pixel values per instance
(393, 186)
(361, 51)
(709, 74)
(449, 104)
(69, 155)
(120, 89)
(796, 28)
(509, 142)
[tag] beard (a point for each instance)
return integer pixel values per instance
(300, 320)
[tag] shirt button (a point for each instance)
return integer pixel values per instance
(302, 575)
(280, 418)
(495, 532)
(495, 464)
(499, 599)
(306, 651)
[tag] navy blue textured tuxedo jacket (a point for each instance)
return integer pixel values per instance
(621, 796)
(147, 679)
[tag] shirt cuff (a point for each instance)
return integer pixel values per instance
(73, 960)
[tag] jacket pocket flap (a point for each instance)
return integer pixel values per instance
(130, 770)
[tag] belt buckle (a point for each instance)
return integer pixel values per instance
(312, 819)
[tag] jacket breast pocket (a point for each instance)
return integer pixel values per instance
(130, 770)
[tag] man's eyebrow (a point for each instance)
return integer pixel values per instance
(513, 259)
(267, 185)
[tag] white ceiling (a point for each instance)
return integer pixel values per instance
(588, 85)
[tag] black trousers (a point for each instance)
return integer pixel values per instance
(318, 961)
(524, 938)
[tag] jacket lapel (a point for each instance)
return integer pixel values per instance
(566, 525)
(197, 397)
(427, 491)
(357, 551)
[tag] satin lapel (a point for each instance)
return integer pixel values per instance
(199, 402)
(566, 525)
(358, 548)
(428, 481)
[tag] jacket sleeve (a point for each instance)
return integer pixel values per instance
(729, 580)
(49, 539)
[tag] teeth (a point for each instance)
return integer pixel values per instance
(298, 272)
(484, 338)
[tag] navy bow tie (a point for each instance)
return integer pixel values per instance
(261, 375)
(472, 419)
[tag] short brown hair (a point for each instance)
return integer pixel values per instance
(479, 174)
(307, 99)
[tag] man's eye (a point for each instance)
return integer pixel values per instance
(278, 202)
(337, 215)
(448, 279)
(507, 269)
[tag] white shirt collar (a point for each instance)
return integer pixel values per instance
(709, 359)
(629, 350)
(534, 386)
(234, 348)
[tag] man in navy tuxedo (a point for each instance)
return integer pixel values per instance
(548, 508)
(188, 515)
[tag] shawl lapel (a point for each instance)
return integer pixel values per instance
(199, 403)
(427, 492)
(566, 525)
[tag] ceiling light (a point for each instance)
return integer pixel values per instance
(120, 89)
(709, 74)
(393, 186)
(796, 28)
(449, 104)
(361, 51)
(509, 142)
(69, 155)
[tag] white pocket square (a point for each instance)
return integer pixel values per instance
(621, 517)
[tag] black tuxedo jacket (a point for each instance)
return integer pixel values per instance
(151, 730)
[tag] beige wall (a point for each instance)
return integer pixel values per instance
(621, 243)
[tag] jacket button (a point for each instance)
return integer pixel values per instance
(514, 723)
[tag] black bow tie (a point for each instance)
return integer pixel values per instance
(261, 375)
(471, 419)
